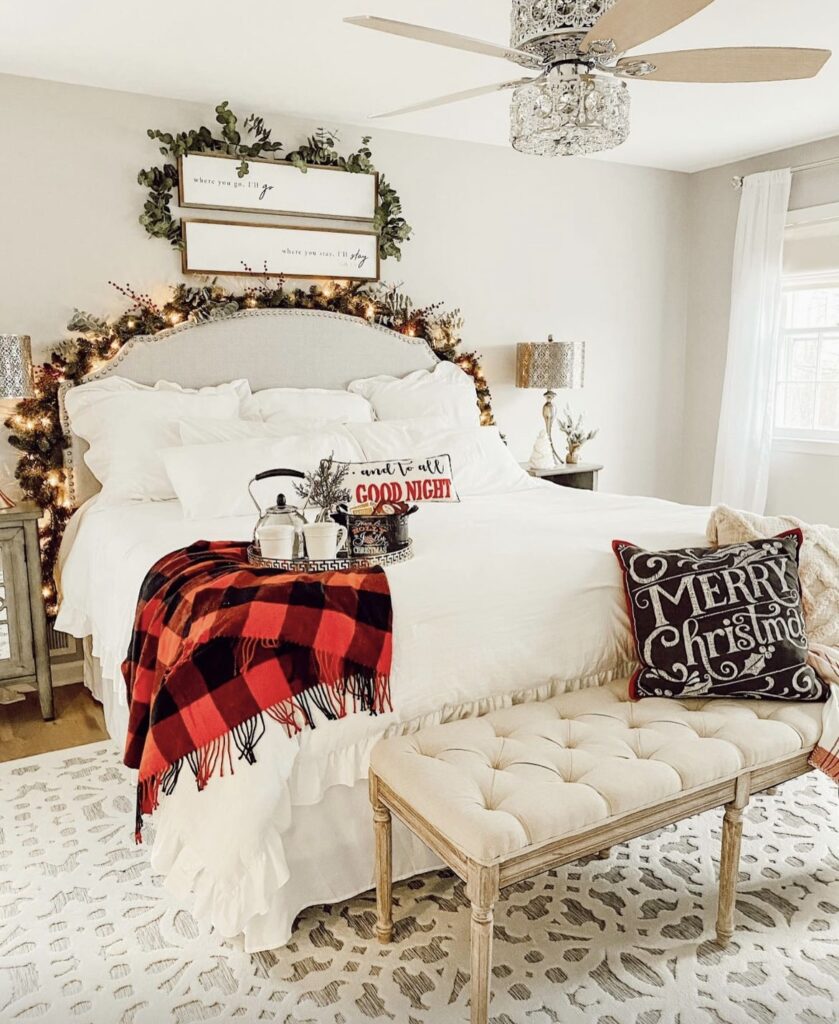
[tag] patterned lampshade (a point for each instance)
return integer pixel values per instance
(551, 365)
(15, 366)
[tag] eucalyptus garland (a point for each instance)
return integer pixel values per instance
(35, 429)
(318, 151)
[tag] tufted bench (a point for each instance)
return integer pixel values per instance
(514, 793)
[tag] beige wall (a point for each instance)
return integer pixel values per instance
(523, 246)
(802, 485)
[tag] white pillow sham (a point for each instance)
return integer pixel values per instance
(211, 480)
(446, 391)
(277, 404)
(127, 425)
(481, 461)
(200, 431)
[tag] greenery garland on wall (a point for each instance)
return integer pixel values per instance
(318, 151)
(35, 427)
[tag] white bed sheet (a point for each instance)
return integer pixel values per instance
(511, 594)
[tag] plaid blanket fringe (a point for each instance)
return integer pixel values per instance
(360, 693)
(219, 644)
(826, 761)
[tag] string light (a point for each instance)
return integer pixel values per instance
(35, 424)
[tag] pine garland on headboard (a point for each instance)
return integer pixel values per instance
(35, 428)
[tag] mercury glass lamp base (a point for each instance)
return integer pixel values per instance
(549, 416)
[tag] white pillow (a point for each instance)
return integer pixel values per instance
(241, 388)
(481, 462)
(211, 480)
(199, 431)
(127, 425)
(308, 403)
(447, 392)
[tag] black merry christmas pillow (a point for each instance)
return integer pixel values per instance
(719, 622)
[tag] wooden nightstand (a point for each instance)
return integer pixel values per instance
(582, 477)
(24, 650)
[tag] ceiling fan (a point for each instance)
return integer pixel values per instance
(578, 101)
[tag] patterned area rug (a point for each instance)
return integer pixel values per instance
(87, 934)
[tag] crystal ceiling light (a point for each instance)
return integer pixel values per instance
(567, 113)
(574, 101)
(552, 29)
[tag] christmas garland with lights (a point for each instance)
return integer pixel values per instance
(35, 428)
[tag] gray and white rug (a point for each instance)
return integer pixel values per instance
(87, 934)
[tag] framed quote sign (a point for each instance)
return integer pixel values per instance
(266, 250)
(212, 182)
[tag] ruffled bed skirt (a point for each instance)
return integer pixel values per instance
(298, 828)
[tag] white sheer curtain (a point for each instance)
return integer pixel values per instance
(744, 442)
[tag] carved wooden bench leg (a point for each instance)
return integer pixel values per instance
(482, 890)
(732, 834)
(384, 865)
(604, 854)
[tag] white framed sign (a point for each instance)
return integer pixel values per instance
(211, 182)
(266, 250)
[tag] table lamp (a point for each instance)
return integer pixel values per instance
(552, 365)
(15, 377)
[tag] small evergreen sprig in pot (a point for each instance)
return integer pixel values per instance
(325, 488)
(575, 434)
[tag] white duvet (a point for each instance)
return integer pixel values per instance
(507, 594)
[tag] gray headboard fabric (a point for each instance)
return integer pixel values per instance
(270, 348)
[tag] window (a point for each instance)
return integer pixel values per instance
(807, 405)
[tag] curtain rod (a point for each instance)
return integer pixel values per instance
(737, 181)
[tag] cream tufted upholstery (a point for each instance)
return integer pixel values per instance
(498, 784)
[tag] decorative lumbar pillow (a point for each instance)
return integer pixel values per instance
(724, 622)
(446, 392)
(481, 462)
(400, 481)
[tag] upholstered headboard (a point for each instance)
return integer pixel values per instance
(271, 348)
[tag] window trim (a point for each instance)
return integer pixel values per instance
(793, 442)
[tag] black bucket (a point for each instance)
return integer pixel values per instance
(377, 534)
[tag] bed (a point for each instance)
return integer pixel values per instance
(512, 595)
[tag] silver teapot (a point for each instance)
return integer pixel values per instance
(281, 514)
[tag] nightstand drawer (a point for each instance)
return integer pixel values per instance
(17, 659)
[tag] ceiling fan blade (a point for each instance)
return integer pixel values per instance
(734, 64)
(456, 97)
(632, 22)
(440, 38)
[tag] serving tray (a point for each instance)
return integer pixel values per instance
(404, 554)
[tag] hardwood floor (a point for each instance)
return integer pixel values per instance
(78, 720)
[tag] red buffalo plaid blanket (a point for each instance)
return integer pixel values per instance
(218, 643)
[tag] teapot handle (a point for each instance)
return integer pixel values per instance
(267, 475)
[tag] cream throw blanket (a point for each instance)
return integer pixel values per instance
(819, 573)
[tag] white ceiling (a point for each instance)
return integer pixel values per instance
(298, 57)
